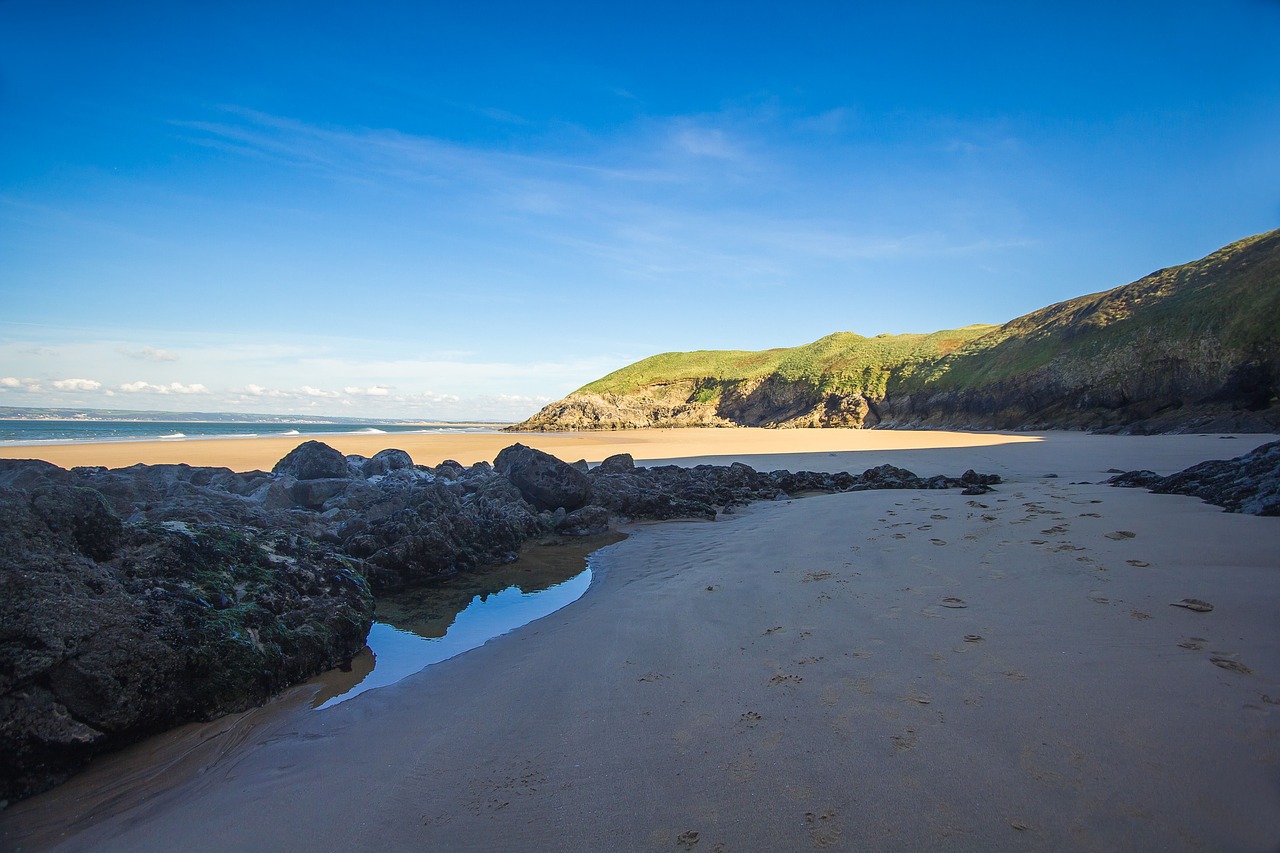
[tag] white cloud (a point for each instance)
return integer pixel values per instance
(24, 384)
(142, 387)
(148, 353)
(76, 385)
(374, 391)
(308, 391)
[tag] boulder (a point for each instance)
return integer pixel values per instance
(543, 480)
(386, 461)
(313, 460)
(619, 463)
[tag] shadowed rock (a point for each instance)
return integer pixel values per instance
(313, 460)
(1248, 483)
(542, 479)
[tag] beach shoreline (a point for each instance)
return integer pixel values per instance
(896, 669)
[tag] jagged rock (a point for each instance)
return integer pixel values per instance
(1248, 483)
(543, 480)
(110, 631)
(587, 521)
(313, 460)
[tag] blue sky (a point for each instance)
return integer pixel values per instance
(445, 210)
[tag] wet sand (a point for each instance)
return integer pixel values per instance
(877, 670)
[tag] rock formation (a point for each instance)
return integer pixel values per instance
(1248, 483)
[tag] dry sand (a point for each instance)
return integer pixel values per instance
(876, 670)
(246, 454)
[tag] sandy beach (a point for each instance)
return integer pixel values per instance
(888, 670)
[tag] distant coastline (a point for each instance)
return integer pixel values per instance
(36, 432)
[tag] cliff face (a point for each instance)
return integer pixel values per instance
(1190, 347)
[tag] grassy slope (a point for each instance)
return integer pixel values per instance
(1233, 294)
(839, 362)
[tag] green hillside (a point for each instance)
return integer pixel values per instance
(1187, 343)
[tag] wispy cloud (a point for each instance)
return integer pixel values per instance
(148, 353)
(143, 387)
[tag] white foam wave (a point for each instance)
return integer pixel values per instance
(370, 431)
(291, 432)
(172, 436)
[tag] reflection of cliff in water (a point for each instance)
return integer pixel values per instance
(419, 627)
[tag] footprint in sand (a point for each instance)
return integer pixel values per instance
(925, 527)
(905, 741)
(953, 602)
(1099, 598)
(1232, 665)
(1119, 535)
(775, 629)
(973, 638)
(1139, 615)
(1195, 604)
(977, 505)
(786, 679)
(1056, 530)
(1195, 644)
(750, 718)
(810, 577)
(899, 536)
(988, 518)
(650, 677)
(1141, 564)
(687, 839)
(1091, 515)
(824, 832)
(936, 517)
(938, 541)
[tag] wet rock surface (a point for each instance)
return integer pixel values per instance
(1248, 483)
(139, 598)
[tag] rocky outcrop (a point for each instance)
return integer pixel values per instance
(1248, 483)
(138, 598)
(110, 631)
(1189, 348)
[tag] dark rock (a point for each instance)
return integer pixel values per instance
(313, 460)
(386, 461)
(112, 631)
(1248, 483)
(543, 480)
(587, 521)
(1135, 479)
(312, 494)
(619, 463)
(451, 470)
(581, 465)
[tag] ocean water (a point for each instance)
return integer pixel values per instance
(33, 432)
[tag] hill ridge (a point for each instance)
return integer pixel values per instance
(1191, 346)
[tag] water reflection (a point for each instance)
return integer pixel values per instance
(420, 627)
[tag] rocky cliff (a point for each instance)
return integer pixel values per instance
(1192, 347)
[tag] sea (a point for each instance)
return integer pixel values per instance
(44, 432)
